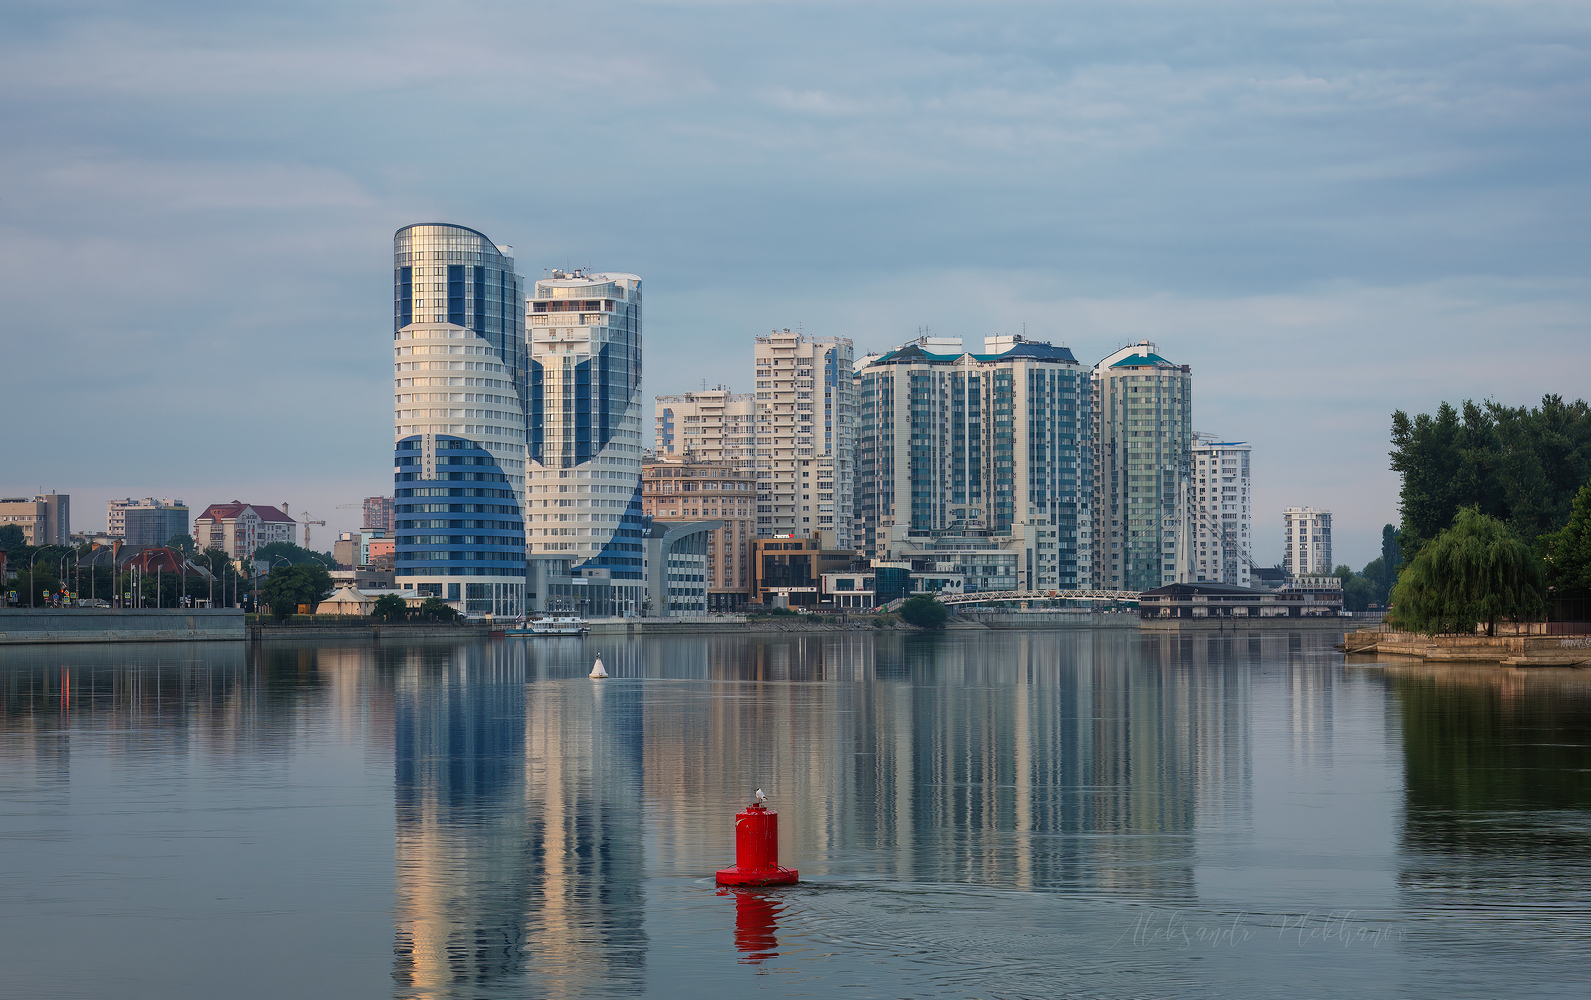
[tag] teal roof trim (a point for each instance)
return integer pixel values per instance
(1140, 361)
(912, 352)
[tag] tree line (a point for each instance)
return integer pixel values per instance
(1496, 512)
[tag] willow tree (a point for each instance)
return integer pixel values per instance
(1475, 572)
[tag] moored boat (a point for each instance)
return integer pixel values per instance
(567, 625)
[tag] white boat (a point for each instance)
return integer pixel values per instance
(551, 626)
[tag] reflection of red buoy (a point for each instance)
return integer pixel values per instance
(757, 850)
(756, 925)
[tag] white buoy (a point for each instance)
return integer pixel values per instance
(597, 671)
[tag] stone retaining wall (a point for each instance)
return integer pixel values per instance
(34, 625)
(1517, 651)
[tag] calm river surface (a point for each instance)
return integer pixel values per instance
(1002, 814)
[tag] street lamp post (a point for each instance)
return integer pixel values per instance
(30, 575)
(60, 573)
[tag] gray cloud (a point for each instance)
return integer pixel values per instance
(1329, 210)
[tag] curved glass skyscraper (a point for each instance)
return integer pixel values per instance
(584, 445)
(459, 397)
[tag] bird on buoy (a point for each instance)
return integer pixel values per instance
(761, 798)
(597, 671)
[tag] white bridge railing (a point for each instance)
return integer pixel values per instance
(993, 596)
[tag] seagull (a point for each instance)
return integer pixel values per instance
(761, 797)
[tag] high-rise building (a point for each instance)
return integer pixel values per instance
(460, 391)
(1307, 542)
(147, 521)
(995, 446)
(585, 441)
(378, 515)
(1143, 449)
(677, 490)
(45, 520)
(713, 425)
(805, 435)
(1220, 544)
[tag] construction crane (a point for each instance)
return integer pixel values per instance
(307, 522)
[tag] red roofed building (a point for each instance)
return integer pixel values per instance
(239, 529)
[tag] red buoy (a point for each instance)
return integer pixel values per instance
(757, 850)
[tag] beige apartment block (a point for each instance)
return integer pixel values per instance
(682, 490)
(713, 425)
(806, 431)
(46, 519)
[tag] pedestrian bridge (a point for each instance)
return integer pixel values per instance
(1002, 596)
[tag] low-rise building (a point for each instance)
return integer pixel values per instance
(1223, 600)
(348, 550)
(679, 491)
(792, 568)
(147, 521)
(677, 557)
(46, 519)
(365, 578)
(240, 529)
(379, 552)
(883, 582)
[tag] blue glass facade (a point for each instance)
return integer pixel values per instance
(459, 419)
(584, 425)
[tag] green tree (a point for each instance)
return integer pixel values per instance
(924, 612)
(390, 608)
(437, 610)
(1357, 590)
(1566, 553)
(1475, 572)
(184, 543)
(1517, 464)
(1391, 559)
(295, 554)
(289, 586)
(11, 537)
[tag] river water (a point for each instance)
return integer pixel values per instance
(1000, 814)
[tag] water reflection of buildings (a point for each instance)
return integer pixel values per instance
(138, 699)
(1025, 759)
(518, 850)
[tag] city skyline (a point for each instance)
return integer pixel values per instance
(1328, 213)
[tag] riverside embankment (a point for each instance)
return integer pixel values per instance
(1505, 650)
(54, 625)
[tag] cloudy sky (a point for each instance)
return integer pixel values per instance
(1328, 210)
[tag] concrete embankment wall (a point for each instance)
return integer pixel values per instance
(1517, 651)
(367, 630)
(37, 625)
